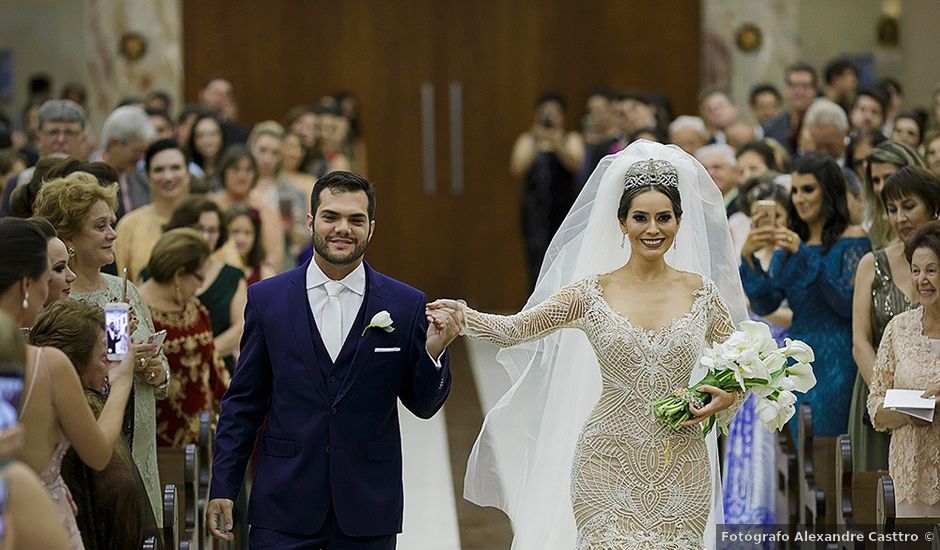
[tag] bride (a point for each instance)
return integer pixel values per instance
(643, 267)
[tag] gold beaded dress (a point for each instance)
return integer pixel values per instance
(635, 483)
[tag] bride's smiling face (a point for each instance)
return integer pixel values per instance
(651, 224)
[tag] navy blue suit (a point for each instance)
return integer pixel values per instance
(331, 437)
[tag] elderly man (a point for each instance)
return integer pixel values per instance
(721, 164)
(126, 134)
(61, 133)
(826, 129)
(800, 91)
(688, 132)
(718, 111)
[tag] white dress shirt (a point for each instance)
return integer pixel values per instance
(350, 298)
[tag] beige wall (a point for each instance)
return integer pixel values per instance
(45, 35)
(920, 48)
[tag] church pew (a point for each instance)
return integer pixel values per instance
(888, 521)
(811, 494)
(180, 467)
(171, 532)
(206, 442)
(855, 493)
(788, 490)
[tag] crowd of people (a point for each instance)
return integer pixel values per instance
(831, 192)
(174, 216)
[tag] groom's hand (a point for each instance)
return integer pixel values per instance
(219, 518)
(443, 327)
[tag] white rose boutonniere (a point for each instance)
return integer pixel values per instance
(382, 320)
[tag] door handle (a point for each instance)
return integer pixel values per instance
(428, 153)
(455, 92)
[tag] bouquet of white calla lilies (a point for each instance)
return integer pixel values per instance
(748, 360)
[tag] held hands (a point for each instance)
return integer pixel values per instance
(445, 319)
(219, 518)
(720, 401)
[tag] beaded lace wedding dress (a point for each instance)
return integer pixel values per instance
(635, 482)
(572, 452)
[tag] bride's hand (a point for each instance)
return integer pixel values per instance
(455, 307)
(720, 401)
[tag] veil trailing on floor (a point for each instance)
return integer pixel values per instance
(521, 461)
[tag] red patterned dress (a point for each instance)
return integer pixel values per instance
(198, 378)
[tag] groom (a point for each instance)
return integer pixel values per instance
(328, 350)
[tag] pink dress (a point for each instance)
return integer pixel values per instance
(51, 477)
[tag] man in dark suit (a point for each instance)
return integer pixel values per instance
(328, 350)
(800, 91)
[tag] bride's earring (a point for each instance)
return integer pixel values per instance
(26, 301)
(623, 240)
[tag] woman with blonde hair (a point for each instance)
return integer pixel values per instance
(53, 409)
(82, 212)
(267, 147)
(177, 271)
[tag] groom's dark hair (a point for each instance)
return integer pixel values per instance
(344, 181)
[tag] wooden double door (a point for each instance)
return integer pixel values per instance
(445, 87)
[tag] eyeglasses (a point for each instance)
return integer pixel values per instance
(62, 132)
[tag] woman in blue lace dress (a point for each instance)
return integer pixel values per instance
(814, 270)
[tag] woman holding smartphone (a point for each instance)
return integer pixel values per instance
(82, 211)
(55, 420)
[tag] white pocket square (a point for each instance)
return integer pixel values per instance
(386, 350)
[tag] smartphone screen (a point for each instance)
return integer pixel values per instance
(11, 387)
(116, 325)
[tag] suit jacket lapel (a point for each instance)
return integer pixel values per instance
(305, 330)
(375, 302)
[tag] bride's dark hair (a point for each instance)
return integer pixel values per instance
(630, 193)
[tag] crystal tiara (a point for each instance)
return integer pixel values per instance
(645, 173)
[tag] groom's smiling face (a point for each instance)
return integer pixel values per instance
(341, 226)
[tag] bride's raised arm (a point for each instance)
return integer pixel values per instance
(563, 309)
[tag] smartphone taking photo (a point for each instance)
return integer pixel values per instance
(768, 212)
(117, 327)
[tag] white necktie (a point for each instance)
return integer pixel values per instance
(331, 317)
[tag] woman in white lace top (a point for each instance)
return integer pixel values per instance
(909, 358)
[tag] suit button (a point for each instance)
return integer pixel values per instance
(332, 379)
(333, 411)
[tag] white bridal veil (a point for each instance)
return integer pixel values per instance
(521, 461)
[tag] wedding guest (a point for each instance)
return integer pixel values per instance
(859, 147)
(688, 132)
(137, 232)
(178, 269)
(883, 289)
(907, 359)
(546, 157)
(883, 161)
(126, 134)
(239, 173)
(800, 91)
(61, 275)
(765, 101)
(719, 160)
(113, 510)
(246, 240)
(814, 271)
(868, 110)
(296, 155)
(52, 408)
(224, 292)
(28, 517)
(908, 129)
(932, 151)
(206, 146)
(266, 144)
(755, 158)
(82, 212)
